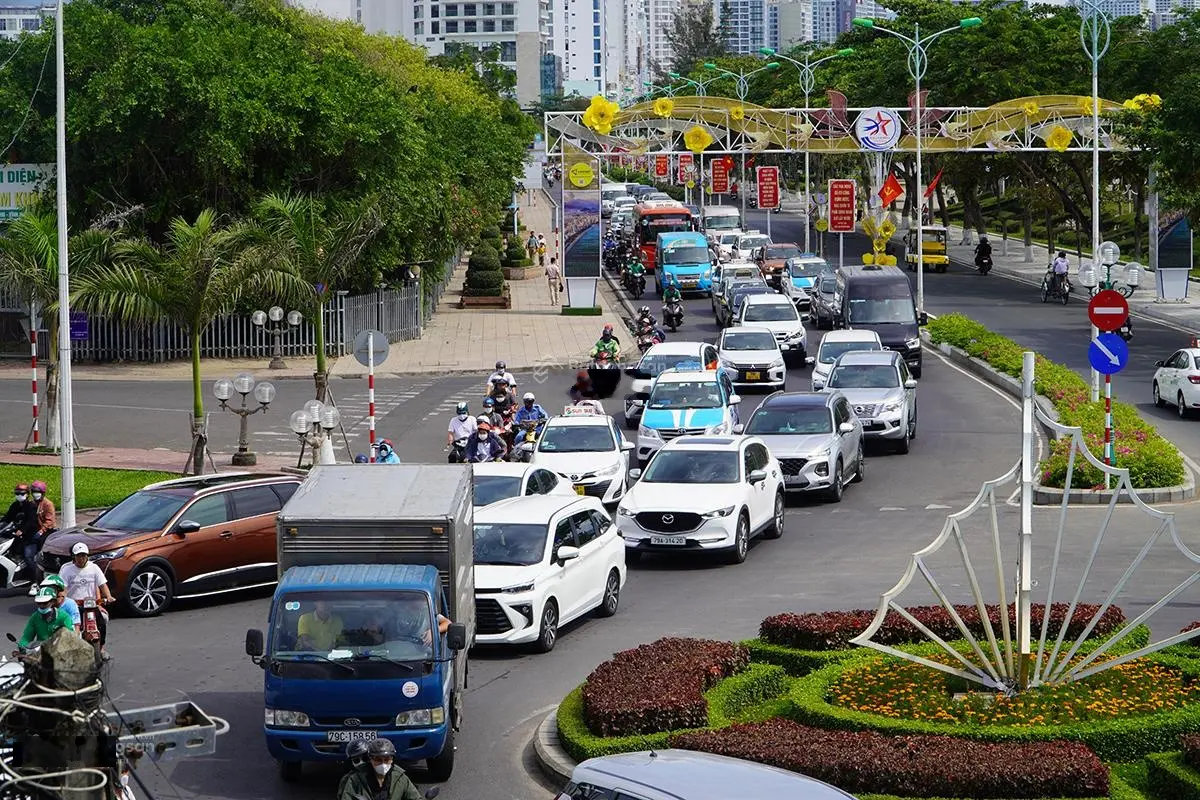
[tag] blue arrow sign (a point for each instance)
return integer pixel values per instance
(1108, 353)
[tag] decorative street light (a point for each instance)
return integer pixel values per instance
(244, 384)
(314, 425)
(742, 87)
(1110, 255)
(808, 80)
(918, 63)
(277, 328)
(653, 88)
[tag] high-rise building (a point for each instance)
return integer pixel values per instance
(772, 38)
(582, 47)
(660, 18)
(795, 23)
(746, 23)
(635, 70)
(825, 26)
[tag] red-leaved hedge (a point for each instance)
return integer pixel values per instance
(658, 686)
(911, 766)
(1191, 626)
(1190, 744)
(833, 630)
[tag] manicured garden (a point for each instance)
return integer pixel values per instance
(94, 487)
(800, 697)
(1152, 461)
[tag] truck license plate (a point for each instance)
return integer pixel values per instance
(580, 489)
(753, 376)
(668, 540)
(350, 736)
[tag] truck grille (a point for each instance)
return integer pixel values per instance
(490, 617)
(668, 434)
(792, 466)
(668, 522)
(340, 721)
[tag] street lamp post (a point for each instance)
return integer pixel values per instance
(742, 87)
(278, 327)
(653, 88)
(314, 425)
(701, 91)
(808, 81)
(918, 63)
(244, 384)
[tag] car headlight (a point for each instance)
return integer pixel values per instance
(519, 588)
(718, 429)
(894, 405)
(649, 433)
(609, 470)
(109, 555)
(777, 363)
(626, 511)
(421, 716)
(285, 719)
(822, 455)
(720, 512)
(707, 274)
(913, 343)
(795, 335)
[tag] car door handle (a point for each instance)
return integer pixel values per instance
(226, 534)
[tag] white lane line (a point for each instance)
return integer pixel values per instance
(936, 507)
(893, 508)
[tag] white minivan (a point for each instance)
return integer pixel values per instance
(777, 314)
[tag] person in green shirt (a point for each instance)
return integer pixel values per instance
(382, 779)
(45, 621)
(608, 345)
(671, 294)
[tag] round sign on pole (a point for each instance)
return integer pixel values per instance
(365, 342)
(822, 225)
(1108, 310)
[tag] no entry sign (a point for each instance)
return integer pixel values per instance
(843, 206)
(1108, 310)
(768, 187)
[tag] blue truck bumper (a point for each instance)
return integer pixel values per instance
(412, 744)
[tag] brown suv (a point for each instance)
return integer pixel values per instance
(182, 538)
(772, 260)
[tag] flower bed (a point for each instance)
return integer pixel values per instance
(659, 686)
(833, 630)
(1152, 461)
(911, 766)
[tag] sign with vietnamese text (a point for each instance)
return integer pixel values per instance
(20, 185)
(686, 167)
(843, 206)
(662, 166)
(768, 186)
(79, 326)
(720, 176)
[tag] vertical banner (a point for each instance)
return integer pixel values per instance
(580, 231)
(662, 167)
(843, 206)
(720, 176)
(767, 179)
(687, 163)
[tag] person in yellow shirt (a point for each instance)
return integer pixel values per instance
(319, 629)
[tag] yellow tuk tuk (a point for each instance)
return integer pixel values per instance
(933, 248)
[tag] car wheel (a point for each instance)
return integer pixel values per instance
(548, 635)
(860, 466)
(778, 518)
(904, 444)
(149, 593)
(1181, 406)
(1158, 401)
(912, 425)
(836, 489)
(291, 771)
(612, 595)
(741, 541)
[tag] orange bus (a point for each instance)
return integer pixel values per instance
(651, 219)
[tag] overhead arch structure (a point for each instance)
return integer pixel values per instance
(1026, 124)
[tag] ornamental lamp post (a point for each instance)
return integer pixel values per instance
(808, 80)
(244, 384)
(277, 328)
(742, 88)
(314, 424)
(918, 63)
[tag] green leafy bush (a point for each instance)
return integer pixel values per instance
(484, 276)
(795, 661)
(1152, 461)
(514, 256)
(1171, 778)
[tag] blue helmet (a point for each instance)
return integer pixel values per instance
(488, 402)
(361, 459)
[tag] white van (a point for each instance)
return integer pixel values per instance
(721, 218)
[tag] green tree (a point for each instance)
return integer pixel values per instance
(321, 247)
(694, 37)
(199, 273)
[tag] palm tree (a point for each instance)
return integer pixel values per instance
(322, 248)
(29, 264)
(199, 273)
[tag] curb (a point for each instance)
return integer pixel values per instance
(1046, 495)
(552, 759)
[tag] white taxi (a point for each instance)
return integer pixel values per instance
(586, 448)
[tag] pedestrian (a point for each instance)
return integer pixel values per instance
(541, 249)
(554, 280)
(531, 245)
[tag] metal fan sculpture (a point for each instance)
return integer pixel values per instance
(1005, 660)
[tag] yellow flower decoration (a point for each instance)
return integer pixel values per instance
(600, 115)
(664, 107)
(1144, 102)
(737, 113)
(1030, 108)
(697, 139)
(868, 258)
(1085, 105)
(887, 229)
(1059, 139)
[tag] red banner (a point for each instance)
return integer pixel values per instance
(720, 176)
(768, 186)
(686, 162)
(843, 206)
(891, 190)
(662, 166)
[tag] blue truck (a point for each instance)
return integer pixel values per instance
(370, 624)
(683, 259)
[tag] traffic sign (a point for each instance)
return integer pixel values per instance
(768, 186)
(370, 348)
(1108, 353)
(1108, 310)
(843, 206)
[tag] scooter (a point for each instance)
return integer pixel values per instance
(637, 286)
(458, 451)
(648, 336)
(1126, 329)
(673, 315)
(12, 562)
(525, 441)
(984, 263)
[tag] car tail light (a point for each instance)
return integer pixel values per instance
(1194, 378)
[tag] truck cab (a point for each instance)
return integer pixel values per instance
(685, 260)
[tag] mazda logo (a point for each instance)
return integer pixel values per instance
(353, 722)
(668, 519)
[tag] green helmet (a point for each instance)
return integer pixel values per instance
(54, 581)
(45, 595)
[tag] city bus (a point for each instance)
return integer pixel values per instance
(651, 219)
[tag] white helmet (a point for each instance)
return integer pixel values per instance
(528, 396)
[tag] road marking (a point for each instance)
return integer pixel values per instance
(893, 508)
(936, 507)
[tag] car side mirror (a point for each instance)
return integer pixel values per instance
(808, 360)
(922, 318)
(432, 792)
(254, 643)
(739, 429)
(566, 553)
(634, 474)
(911, 383)
(627, 447)
(846, 427)
(734, 399)
(1160, 363)
(758, 475)
(456, 636)
(186, 526)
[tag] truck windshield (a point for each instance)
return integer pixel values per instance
(686, 255)
(724, 222)
(142, 511)
(351, 628)
(509, 544)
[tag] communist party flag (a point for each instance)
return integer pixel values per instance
(891, 190)
(933, 183)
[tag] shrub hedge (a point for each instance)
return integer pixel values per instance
(833, 630)
(911, 766)
(1172, 777)
(797, 661)
(659, 686)
(1152, 461)
(484, 276)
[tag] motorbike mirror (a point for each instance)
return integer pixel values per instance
(12, 638)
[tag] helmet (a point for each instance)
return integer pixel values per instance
(528, 397)
(45, 595)
(489, 402)
(461, 408)
(387, 443)
(361, 459)
(608, 329)
(357, 751)
(381, 748)
(644, 310)
(22, 488)
(484, 426)
(483, 420)
(582, 375)
(54, 582)
(39, 486)
(80, 548)
(501, 366)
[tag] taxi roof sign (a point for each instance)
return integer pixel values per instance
(581, 410)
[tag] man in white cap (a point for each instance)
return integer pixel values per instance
(86, 581)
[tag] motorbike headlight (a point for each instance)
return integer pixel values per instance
(519, 588)
(777, 363)
(281, 718)
(720, 512)
(649, 433)
(421, 716)
(913, 343)
(109, 555)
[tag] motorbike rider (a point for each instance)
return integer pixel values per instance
(530, 411)
(383, 781)
(636, 270)
(1061, 267)
(502, 373)
(489, 414)
(38, 525)
(582, 388)
(44, 621)
(485, 445)
(983, 250)
(502, 397)
(462, 426)
(608, 345)
(356, 761)
(18, 509)
(671, 294)
(386, 453)
(59, 586)
(86, 581)
(645, 320)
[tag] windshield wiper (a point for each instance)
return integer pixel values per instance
(369, 656)
(295, 657)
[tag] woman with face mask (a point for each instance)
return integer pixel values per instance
(485, 445)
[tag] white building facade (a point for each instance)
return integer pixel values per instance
(16, 19)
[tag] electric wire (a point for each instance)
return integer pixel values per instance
(32, 101)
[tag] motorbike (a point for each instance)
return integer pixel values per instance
(648, 335)
(605, 376)
(458, 451)
(1126, 329)
(673, 315)
(525, 440)
(89, 618)
(984, 263)
(12, 561)
(1061, 292)
(637, 286)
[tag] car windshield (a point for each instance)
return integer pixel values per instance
(693, 466)
(807, 269)
(491, 488)
(783, 251)
(739, 297)
(864, 376)
(373, 633)
(748, 340)
(686, 255)
(882, 310)
(142, 511)
(510, 544)
(685, 394)
(742, 281)
(775, 421)
(750, 242)
(831, 350)
(655, 364)
(769, 312)
(729, 238)
(576, 439)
